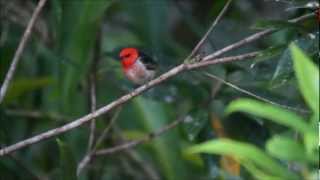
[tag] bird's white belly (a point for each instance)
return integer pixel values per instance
(139, 74)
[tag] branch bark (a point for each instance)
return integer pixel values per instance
(210, 59)
(205, 36)
(19, 50)
(78, 122)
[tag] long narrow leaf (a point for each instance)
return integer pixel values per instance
(244, 152)
(308, 77)
(269, 112)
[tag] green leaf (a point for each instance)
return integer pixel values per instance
(285, 148)
(244, 152)
(284, 71)
(308, 77)
(77, 31)
(311, 142)
(166, 148)
(269, 112)
(22, 86)
(68, 166)
(257, 173)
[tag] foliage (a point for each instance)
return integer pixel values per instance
(282, 147)
(75, 39)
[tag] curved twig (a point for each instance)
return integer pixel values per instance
(18, 53)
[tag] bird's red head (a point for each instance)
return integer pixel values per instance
(128, 56)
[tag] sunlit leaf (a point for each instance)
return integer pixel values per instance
(308, 77)
(258, 173)
(286, 148)
(243, 152)
(311, 141)
(269, 112)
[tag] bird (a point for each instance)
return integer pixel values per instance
(137, 66)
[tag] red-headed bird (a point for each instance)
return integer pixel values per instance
(137, 66)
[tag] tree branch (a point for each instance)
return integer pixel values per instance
(19, 50)
(174, 71)
(88, 157)
(93, 87)
(252, 38)
(205, 37)
(134, 143)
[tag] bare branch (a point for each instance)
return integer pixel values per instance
(146, 138)
(252, 38)
(78, 122)
(88, 157)
(205, 37)
(93, 86)
(20, 49)
(221, 60)
(172, 72)
(145, 166)
(254, 95)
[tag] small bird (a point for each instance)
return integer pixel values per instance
(137, 66)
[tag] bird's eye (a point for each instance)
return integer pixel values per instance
(126, 56)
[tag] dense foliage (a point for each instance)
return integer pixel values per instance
(75, 44)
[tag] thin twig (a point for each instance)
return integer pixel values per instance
(88, 157)
(93, 87)
(254, 95)
(205, 37)
(252, 38)
(19, 50)
(146, 138)
(145, 166)
(169, 74)
(209, 62)
(147, 169)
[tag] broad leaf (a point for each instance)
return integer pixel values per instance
(245, 153)
(308, 77)
(286, 148)
(269, 112)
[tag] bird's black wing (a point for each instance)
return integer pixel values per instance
(148, 61)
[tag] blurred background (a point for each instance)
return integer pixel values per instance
(76, 42)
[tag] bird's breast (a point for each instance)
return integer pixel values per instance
(138, 73)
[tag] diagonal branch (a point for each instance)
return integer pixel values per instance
(93, 87)
(212, 76)
(252, 38)
(18, 53)
(205, 37)
(146, 138)
(78, 122)
(169, 74)
(88, 157)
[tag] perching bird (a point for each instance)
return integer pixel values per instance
(137, 66)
